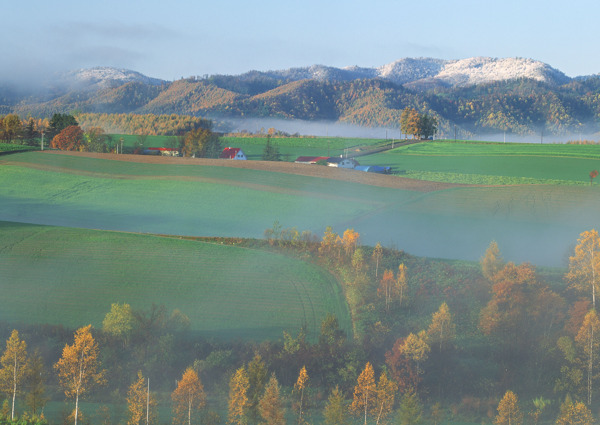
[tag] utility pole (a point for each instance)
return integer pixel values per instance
(42, 139)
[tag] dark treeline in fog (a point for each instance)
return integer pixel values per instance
(433, 341)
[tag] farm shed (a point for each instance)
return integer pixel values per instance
(162, 151)
(373, 169)
(233, 153)
(342, 162)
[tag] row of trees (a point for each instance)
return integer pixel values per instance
(15, 130)
(144, 124)
(79, 371)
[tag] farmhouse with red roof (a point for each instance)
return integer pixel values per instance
(232, 153)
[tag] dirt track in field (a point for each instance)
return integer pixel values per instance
(333, 173)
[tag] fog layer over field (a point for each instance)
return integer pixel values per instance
(531, 223)
(306, 128)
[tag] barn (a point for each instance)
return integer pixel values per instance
(233, 153)
(342, 162)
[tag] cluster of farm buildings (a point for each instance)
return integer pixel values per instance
(331, 161)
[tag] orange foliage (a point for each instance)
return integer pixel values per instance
(69, 139)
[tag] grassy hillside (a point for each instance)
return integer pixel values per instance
(492, 163)
(71, 276)
(531, 223)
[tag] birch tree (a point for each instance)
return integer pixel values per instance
(589, 339)
(78, 368)
(364, 392)
(13, 361)
(377, 256)
(140, 403)
(188, 397)
(508, 410)
(584, 265)
(442, 327)
(300, 386)
(386, 393)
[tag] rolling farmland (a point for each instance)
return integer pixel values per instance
(492, 163)
(205, 200)
(51, 274)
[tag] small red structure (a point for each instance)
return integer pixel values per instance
(233, 153)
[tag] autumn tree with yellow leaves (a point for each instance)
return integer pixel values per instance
(270, 405)
(574, 414)
(238, 397)
(300, 386)
(584, 265)
(188, 397)
(442, 328)
(401, 282)
(14, 367)
(491, 263)
(387, 286)
(142, 405)
(588, 338)
(508, 410)
(365, 392)
(78, 368)
(377, 256)
(386, 393)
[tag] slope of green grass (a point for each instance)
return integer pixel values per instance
(531, 223)
(291, 148)
(492, 163)
(71, 276)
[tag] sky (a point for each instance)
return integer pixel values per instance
(176, 38)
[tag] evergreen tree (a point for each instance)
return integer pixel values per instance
(270, 152)
(335, 409)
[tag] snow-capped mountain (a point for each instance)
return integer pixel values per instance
(462, 72)
(105, 77)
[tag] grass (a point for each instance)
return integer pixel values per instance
(9, 147)
(289, 147)
(530, 223)
(293, 147)
(492, 163)
(52, 274)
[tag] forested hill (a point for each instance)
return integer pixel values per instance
(520, 106)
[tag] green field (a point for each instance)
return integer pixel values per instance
(492, 163)
(289, 147)
(70, 276)
(531, 223)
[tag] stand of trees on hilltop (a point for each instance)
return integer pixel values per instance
(433, 342)
(146, 124)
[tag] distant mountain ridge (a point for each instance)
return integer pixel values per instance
(474, 95)
(461, 73)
